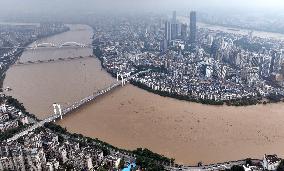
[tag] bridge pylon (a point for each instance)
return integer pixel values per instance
(117, 76)
(124, 78)
(57, 110)
(123, 81)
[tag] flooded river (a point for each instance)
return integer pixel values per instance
(130, 117)
(38, 86)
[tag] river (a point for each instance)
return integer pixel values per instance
(130, 117)
(240, 31)
(261, 34)
(38, 86)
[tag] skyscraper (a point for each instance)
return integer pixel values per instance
(174, 31)
(168, 31)
(272, 63)
(163, 45)
(192, 35)
(174, 19)
(183, 31)
(282, 69)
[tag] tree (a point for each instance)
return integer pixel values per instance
(281, 166)
(199, 164)
(121, 164)
(237, 168)
(97, 51)
(248, 161)
(102, 169)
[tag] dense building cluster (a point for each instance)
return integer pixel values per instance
(13, 39)
(11, 117)
(194, 64)
(183, 62)
(51, 147)
(49, 150)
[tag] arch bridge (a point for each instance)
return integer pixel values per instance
(58, 45)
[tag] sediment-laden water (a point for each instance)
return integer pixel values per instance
(130, 117)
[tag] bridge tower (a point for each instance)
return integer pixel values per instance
(117, 76)
(127, 75)
(57, 110)
(123, 81)
(124, 78)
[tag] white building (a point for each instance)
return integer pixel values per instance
(271, 162)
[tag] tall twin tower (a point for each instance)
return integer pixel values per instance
(172, 29)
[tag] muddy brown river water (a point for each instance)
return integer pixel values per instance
(130, 117)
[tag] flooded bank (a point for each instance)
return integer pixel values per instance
(189, 132)
(130, 117)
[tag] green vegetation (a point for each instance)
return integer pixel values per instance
(274, 97)
(14, 102)
(281, 166)
(248, 162)
(177, 96)
(242, 102)
(97, 52)
(103, 168)
(239, 102)
(144, 157)
(152, 161)
(237, 168)
(9, 133)
(236, 102)
(121, 164)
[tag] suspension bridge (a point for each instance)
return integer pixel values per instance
(59, 112)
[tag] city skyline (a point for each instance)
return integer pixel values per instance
(131, 85)
(66, 6)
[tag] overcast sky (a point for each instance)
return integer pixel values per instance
(40, 6)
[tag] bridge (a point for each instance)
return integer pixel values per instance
(59, 113)
(58, 46)
(49, 45)
(50, 60)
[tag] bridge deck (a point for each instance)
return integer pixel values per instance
(72, 107)
(51, 60)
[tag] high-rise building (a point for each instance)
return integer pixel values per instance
(183, 32)
(255, 60)
(266, 66)
(192, 35)
(214, 49)
(174, 31)
(174, 19)
(163, 45)
(168, 31)
(282, 69)
(272, 63)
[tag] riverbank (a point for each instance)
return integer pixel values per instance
(189, 132)
(20, 51)
(233, 102)
(239, 28)
(144, 158)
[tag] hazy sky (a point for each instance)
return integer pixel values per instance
(41, 6)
